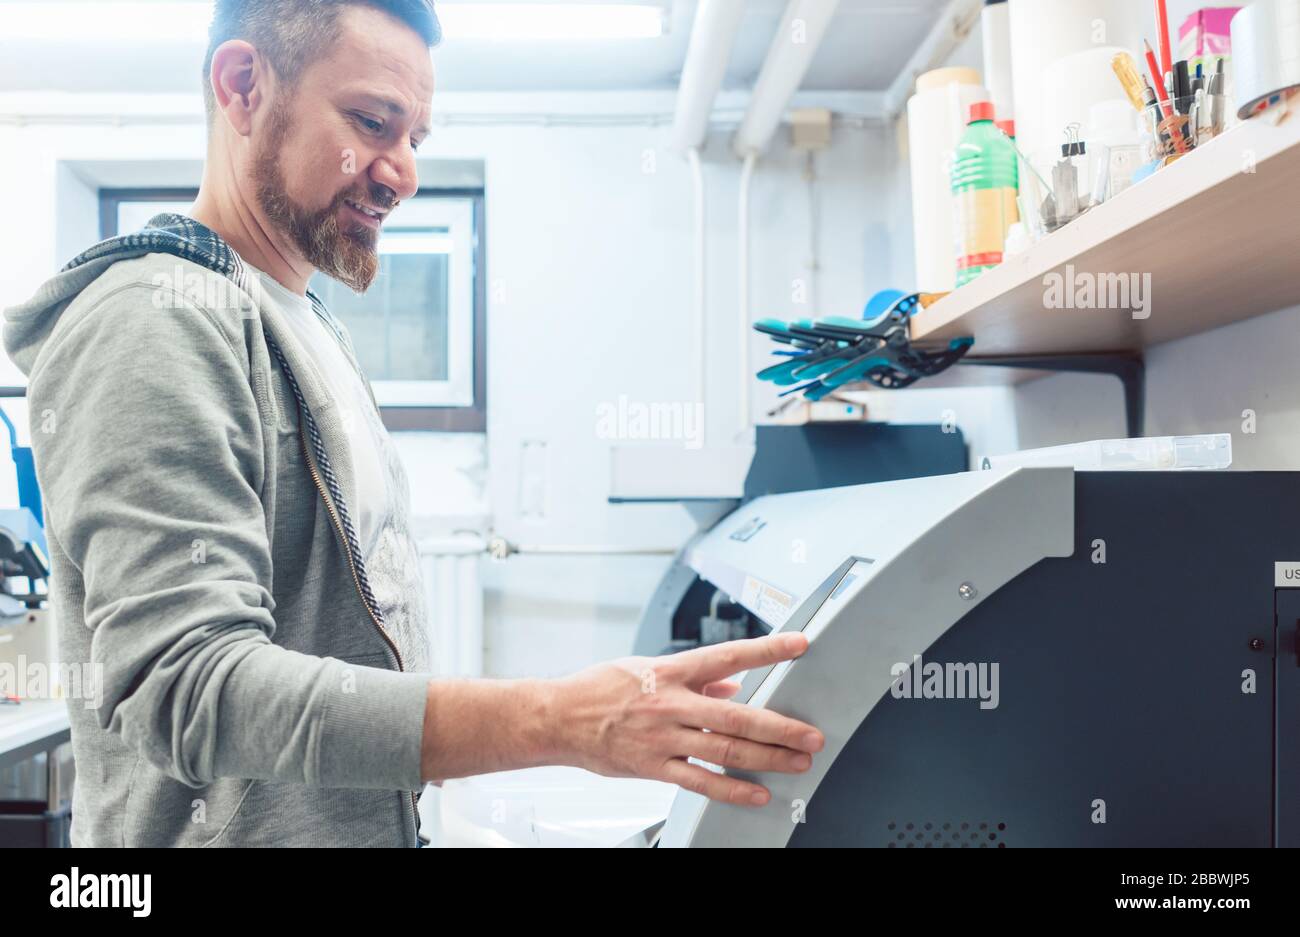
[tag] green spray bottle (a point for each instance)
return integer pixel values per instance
(985, 185)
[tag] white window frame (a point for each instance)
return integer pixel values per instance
(404, 233)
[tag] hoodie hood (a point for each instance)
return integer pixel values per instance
(28, 325)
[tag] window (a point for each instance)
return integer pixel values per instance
(420, 331)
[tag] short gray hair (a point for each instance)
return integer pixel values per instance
(290, 33)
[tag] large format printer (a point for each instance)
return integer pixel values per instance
(1025, 656)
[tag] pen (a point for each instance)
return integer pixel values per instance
(1165, 114)
(1155, 78)
(1152, 105)
(1216, 98)
(1215, 82)
(1148, 94)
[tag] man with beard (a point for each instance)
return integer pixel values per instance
(227, 517)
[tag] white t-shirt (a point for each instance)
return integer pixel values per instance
(381, 507)
(350, 396)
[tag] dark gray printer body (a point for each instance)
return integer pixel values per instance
(1144, 629)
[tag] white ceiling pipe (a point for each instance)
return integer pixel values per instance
(713, 34)
(948, 32)
(745, 320)
(717, 23)
(701, 290)
(796, 41)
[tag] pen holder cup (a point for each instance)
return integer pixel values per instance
(1183, 124)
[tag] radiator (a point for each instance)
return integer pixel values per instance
(452, 569)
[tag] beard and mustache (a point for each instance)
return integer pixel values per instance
(347, 253)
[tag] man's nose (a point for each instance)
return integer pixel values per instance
(396, 170)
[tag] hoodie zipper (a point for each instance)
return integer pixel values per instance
(338, 525)
(356, 581)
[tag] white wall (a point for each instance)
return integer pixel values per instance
(591, 268)
(1202, 384)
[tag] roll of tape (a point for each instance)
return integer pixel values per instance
(1265, 52)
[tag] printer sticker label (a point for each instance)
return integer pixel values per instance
(767, 602)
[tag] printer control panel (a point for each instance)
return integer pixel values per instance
(843, 592)
(846, 589)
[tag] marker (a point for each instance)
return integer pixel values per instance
(1162, 28)
(1183, 82)
(1216, 98)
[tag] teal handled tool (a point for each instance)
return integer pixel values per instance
(812, 358)
(837, 351)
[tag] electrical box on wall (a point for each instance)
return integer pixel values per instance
(810, 129)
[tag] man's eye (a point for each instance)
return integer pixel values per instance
(369, 123)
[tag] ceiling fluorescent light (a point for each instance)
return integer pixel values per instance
(550, 21)
(188, 20)
(106, 20)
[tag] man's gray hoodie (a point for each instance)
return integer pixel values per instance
(196, 480)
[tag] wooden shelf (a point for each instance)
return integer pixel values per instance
(1220, 244)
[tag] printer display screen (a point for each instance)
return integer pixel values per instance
(844, 590)
(848, 586)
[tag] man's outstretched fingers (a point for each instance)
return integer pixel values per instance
(707, 665)
(714, 786)
(758, 725)
(742, 754)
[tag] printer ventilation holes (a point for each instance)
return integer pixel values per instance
(946, 835)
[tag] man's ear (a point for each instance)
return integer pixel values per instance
(238, 81)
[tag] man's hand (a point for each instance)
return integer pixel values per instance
(645, 716)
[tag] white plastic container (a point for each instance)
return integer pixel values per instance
(1117, 146)
(936, 119)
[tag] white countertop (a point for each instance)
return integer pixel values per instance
(31, 721)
